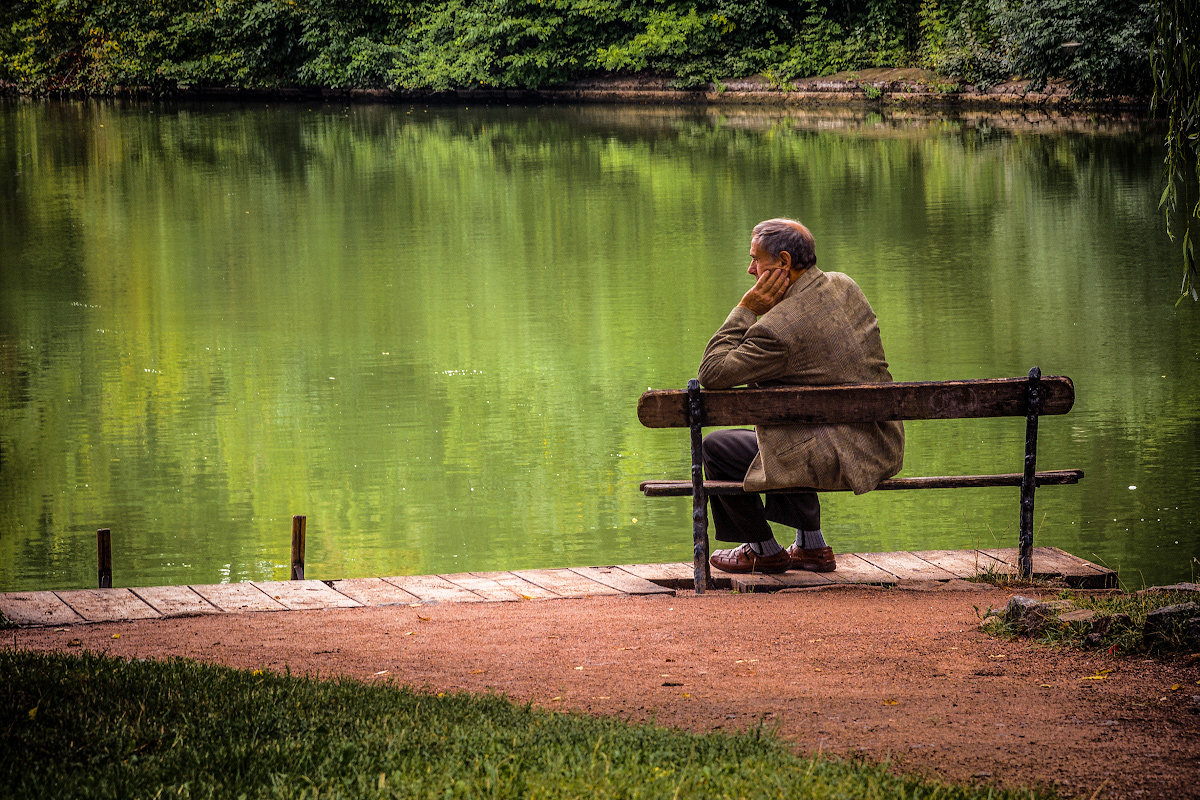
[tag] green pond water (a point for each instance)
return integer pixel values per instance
(426, 328)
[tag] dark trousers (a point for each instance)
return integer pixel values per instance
(743, 518)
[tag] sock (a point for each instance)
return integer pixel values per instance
(766, 548)
(810, 540)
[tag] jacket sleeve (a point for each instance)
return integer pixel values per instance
(742, 352)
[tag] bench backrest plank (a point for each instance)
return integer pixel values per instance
(870, 402)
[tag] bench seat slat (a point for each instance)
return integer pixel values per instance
(990, 397)
(1048, 478)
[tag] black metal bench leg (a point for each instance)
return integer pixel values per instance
(1033, 399)
(701, 574)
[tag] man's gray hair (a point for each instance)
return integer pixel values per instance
(778, 235)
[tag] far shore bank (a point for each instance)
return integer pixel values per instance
(864, 89)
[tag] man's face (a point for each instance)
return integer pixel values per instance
(760, 260)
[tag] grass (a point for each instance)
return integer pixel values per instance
(89, 725)
(1127, 613)
(5, 622)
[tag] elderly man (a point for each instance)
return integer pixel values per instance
(796, 326)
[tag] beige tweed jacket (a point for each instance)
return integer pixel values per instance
(822, 332)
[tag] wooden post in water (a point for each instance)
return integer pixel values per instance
(104, 557)
(298, 525)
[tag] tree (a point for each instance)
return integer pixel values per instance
(1175, 60)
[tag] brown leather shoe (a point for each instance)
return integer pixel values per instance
(818, 559)
(744, 559)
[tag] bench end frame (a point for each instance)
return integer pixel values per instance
(1033, 400)
(701, 574)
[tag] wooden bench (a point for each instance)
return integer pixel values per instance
(694, 408)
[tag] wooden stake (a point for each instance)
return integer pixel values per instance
(298, 525)
(104, 557)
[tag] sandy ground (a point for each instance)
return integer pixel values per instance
(891, 674)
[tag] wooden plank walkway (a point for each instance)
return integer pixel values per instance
(109, 605)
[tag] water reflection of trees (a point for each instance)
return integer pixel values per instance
(491, 291)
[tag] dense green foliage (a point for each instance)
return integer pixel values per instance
(100, 727)
(1177, 98)
(97, 45)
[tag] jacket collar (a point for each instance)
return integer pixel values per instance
(806, 279)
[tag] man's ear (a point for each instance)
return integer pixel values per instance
(785, 259)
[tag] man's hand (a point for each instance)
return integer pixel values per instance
(767, 291)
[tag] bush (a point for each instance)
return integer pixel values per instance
(1101, 46)
(97, 45)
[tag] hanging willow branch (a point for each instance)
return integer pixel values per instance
(1175, 61)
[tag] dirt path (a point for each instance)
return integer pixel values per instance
(879, 673)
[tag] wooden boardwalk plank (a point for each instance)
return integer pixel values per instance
(961, 563)
(906, 566)
(374, 592)
(434, 589)
(677, 575)
(804, 578)
(792, 579)
(852, 569)
(106, 605)
(1081, 563)
(621, 580)
(487, 588)
(997, 566)
(305, 595)
(175, 601)
(37, 608)
(750, 582)
(238, 597)
(518, 585)
(565, 583)
(1051, 562)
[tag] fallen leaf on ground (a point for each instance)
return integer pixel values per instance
(116, 636)
(891, 702)
(1100, 675)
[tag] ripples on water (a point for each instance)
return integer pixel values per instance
(426, 328)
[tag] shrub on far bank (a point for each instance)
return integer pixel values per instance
(96, 46)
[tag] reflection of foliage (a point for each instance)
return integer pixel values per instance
(1177, 97)
(100, 45)
(251, 255)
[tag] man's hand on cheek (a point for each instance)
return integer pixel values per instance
(767, 291)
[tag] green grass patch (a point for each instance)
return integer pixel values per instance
(5, 622)
(93, 726)
(1121, 631)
